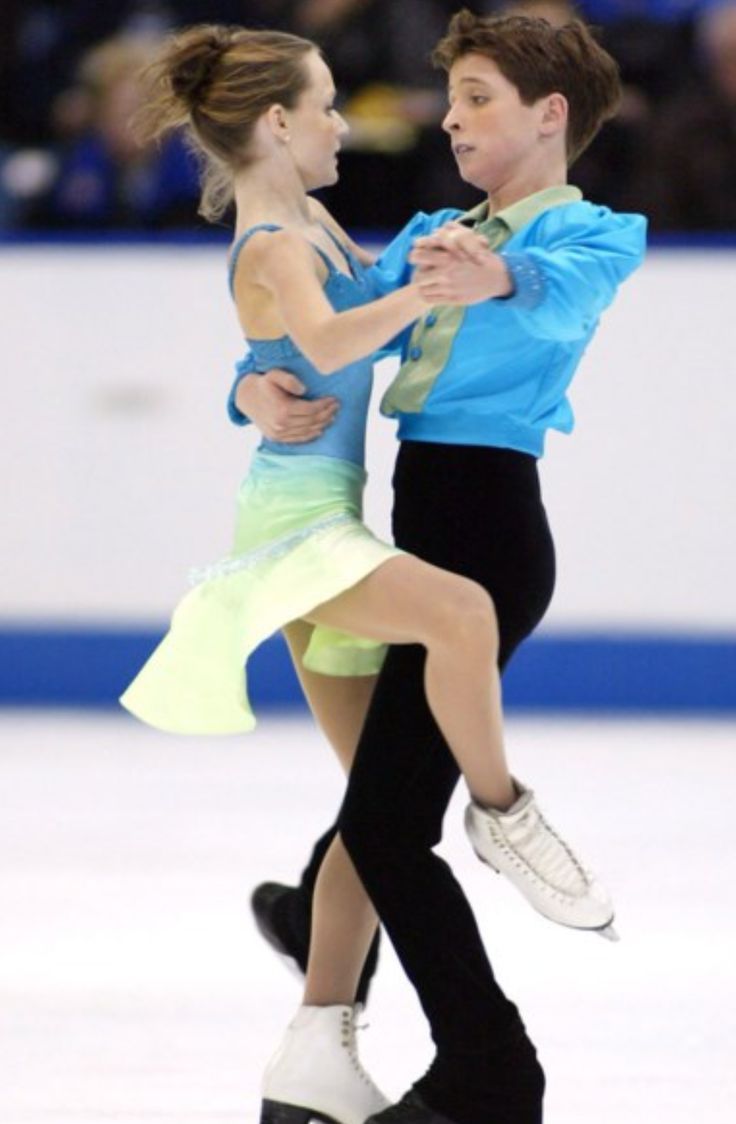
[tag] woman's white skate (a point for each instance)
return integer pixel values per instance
(521, 844)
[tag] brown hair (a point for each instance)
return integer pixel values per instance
(216, 82)
(540, 59)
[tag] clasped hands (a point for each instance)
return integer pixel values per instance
(453, 265)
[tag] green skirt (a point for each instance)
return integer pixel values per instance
(299, 541)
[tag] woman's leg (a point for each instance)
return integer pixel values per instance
(403, 601)
(339, 704)
(407, 601)
(316, 1072)
(343, 922)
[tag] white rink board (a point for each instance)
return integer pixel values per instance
(120, 468)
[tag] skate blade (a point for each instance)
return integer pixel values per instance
(280, 1112)
(608, 933)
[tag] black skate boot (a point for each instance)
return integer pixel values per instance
(411, 1109)
(502, 1083)
(283, 917)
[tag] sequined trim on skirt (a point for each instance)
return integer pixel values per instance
(299, 542)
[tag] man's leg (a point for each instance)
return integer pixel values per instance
(401, 782)
(477, 512)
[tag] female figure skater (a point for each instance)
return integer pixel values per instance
(260, 107)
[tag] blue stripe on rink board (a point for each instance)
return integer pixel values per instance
(634, 672)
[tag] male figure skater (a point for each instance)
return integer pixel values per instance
(535, 266)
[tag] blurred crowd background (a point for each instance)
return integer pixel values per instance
(69, 83)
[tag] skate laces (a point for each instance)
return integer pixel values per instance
(348, 1040)
(533, 843)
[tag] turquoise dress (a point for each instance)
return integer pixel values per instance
(299, 541)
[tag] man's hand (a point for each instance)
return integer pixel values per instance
(274, 404)
(454, 265)
(453, 238)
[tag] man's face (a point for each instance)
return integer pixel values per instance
(494, 136)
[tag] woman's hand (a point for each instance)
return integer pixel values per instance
(452, 238)
(274, 404)
(454, 265)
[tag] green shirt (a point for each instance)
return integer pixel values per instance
(433, 336)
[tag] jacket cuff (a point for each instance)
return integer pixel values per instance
(243, 367)
(527, 278)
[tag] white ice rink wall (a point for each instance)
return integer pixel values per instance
(119, 470)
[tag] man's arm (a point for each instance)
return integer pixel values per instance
(243, 368)
(273, 403)
(559, 290)
(455, 266)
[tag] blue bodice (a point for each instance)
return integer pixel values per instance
(351, 385)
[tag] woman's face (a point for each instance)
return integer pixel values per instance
(315, 127)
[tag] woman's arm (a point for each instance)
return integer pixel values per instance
(282, 262)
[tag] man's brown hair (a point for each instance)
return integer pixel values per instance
(539, 60)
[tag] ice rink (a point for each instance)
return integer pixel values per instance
(134, 987)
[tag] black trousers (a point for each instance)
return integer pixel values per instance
(478, 512)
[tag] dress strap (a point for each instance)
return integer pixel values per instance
(345, 251)
(235, 252)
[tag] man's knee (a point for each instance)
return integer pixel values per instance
(372, 841)
(380, 837)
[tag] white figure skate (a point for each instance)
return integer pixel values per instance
(316, 1073)
(521, 844)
